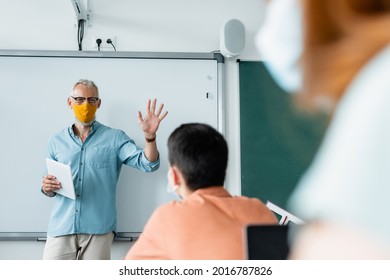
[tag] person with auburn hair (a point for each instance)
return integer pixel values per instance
(340, 38)
(342, 65)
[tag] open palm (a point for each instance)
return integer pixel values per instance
(151, 121)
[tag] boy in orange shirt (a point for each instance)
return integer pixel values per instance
(208, 222)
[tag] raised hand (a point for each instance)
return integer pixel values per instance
(150, 123)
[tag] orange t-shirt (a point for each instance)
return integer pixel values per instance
(209, 224)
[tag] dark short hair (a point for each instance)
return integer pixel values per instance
(200, 152)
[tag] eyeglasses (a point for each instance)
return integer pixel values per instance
(81, 100)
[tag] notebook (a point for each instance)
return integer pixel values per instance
(266, 242)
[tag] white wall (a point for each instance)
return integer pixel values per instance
(137, 25)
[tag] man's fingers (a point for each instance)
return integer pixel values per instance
(50, 183)
(148, 106)
(160, 109)
(153, 106)
(140, 119)
(163, 116)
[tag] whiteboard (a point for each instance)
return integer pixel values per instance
(34, 87)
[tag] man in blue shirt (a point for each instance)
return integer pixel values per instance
(84, 228)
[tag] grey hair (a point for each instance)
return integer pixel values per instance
(87, 83)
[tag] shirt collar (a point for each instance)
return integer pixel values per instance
(94, 127)
(219, 191)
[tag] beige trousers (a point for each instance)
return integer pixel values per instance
(79, 247)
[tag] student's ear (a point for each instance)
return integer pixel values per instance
(177, 177)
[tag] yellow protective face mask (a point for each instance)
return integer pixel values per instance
(84, 112)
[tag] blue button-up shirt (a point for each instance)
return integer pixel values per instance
(95, 166)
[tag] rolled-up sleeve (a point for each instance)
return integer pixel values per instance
(132, 155)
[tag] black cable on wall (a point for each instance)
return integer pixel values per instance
(80, 33)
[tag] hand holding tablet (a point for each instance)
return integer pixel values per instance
(64, 175)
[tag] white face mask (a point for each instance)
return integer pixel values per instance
(171, 188)
(280, 43)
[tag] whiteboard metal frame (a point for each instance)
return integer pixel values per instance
(41, 236)
(104, 54)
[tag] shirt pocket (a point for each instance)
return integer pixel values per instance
(101, 157)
